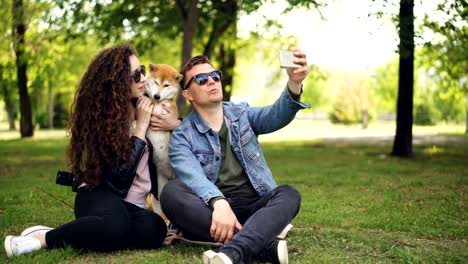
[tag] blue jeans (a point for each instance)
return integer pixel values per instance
(262, 218)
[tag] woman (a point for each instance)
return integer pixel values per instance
(110, 159)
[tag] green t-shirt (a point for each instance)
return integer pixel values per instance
(232, 178)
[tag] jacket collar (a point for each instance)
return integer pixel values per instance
(199, 123)
(231, 112)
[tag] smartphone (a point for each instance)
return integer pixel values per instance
(287, 59)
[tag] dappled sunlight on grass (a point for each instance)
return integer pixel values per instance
(433, 150)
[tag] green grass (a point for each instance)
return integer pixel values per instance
(359, 205)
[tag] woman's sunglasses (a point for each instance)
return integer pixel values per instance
(136, 75)
(202, 78)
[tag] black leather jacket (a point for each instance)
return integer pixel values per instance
(120, 179)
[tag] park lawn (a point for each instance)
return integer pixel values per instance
(359, 205)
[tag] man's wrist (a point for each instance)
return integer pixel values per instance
(215, 199)
(295, 88)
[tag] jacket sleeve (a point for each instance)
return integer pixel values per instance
(270, 118)
(121, 178)
(188, 169)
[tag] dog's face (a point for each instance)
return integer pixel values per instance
(163, 82)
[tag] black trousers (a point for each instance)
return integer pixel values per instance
(104, 222)
(262, 218)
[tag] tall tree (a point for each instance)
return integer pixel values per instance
(403, 145)
(189, 17)
(19, 31)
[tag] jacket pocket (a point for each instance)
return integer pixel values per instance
(246, 135)
(206, 162)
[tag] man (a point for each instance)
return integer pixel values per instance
(225, 191)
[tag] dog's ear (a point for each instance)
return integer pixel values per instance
(178, 76)
(153, 67)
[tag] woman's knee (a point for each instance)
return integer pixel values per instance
(150, 231)
(114, 228)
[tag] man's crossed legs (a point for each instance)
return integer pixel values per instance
(262, 219)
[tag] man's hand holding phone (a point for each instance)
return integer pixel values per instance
(295, 63)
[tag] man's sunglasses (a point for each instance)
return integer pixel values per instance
(202, 78)
(136, 75)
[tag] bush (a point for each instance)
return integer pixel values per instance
(60, 112)
(42, 119)
(60, 118)
(425, 114)
(346, 111)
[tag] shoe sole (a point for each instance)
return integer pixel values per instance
(7, 244)
(211, 257)
(33, 229)
(283, 252)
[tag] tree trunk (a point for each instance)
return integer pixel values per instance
(402, 145)
(189, 23)
(19, 30)
(225, 29)
(228, 61)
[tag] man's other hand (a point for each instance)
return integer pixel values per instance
(223, 221)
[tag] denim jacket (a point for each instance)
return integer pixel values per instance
(195, 150)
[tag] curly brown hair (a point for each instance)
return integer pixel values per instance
(101, 116)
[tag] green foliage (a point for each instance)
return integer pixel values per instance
(315, 91)
(447, 49)
(425, 114)
(60, 114)
(345, 110)
(42, 119)
(351, 99)
(446, 57)
(60, 111)
(384, 85)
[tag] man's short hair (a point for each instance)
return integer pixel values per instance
(199, 59)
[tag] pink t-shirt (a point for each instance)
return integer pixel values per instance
(141, 185)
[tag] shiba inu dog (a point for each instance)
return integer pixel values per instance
(162, 86)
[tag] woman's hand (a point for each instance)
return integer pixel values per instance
(168, 121)
(144, 108)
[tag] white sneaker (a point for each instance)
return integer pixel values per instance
(275, 252)
(283, 252)
(17, 245)
(211, 257)
(35, 230)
